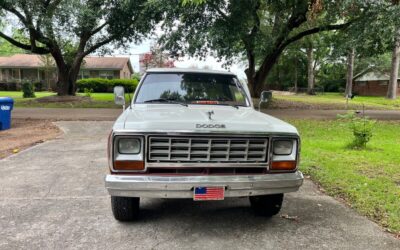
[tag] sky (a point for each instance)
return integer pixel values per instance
(186, 62)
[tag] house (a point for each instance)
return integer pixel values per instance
(373, 82)
(39, 68)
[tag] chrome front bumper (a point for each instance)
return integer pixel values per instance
(182, 186)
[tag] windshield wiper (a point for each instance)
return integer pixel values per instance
(166, 100)
(234, 105)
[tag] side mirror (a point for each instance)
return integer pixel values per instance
(264, 98)
(119, 96)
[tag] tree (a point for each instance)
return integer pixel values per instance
(48, 66)
(69, 30)
(310, 68)
(350, 73)
(376, 37)
(394, 71)
(259, 30)
(156, 58)
(6, 49)
(290, 70)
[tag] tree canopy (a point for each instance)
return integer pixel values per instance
(69, 30)
(258, 30)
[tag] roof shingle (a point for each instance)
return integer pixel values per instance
(35, 61)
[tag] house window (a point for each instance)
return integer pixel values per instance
(106, 74)
(15, 74)
(84, 74)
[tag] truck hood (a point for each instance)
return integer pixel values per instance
(195, 118)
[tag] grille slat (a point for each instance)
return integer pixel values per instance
(193, 149)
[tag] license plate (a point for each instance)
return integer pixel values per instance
(208, 193)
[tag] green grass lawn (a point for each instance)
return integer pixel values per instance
(369, 180)
(99, 100)
(374, 102)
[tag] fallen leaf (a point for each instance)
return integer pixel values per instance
(16, 150)
(288, 217)
(319, 205)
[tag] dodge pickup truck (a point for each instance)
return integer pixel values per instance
(195, 134)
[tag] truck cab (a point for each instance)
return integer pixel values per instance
(195, 134)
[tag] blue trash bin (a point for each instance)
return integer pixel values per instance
(6, 105)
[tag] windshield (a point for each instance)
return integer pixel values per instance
(191, 88)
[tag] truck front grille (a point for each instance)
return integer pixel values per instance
(200, 149)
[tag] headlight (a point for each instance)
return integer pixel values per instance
(129, 146)
(283, 147)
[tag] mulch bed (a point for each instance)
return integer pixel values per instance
(25, 133)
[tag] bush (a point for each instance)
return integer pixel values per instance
(88, 92)
(334, 85)
(101, 85)
(136, 76)
(38, 86)
(362, 128)
(9, 86)
(28, 90)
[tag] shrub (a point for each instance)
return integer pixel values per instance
(136, 76)
(88, 92)
(38, 86)
(334, 85)
(28, 90)
(362, 128)
(9, 86)
(101, 85)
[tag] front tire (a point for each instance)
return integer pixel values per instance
(266, 205)
(125, 208)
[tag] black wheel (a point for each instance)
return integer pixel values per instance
(125, 208)
(266, 205)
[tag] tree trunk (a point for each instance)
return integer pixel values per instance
(67, 74)
(250, 73)
(62, 82)
(350, 72)
(295, 78)
(310, 70)
(394, 72)
(67, 80)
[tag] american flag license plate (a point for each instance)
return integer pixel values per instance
(208, 193)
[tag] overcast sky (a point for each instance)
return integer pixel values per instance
(185, 62)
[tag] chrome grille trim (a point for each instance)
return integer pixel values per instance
(194, 149)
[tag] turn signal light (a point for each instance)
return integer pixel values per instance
(283, 165)
(129, 165)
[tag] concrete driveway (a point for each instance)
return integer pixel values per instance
(52, 196)
(88, 114)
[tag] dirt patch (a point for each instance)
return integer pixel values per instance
(25, 133)
(62, 99)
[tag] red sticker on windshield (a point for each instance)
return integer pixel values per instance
(206, 102)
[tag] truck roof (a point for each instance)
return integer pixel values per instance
(184, 70)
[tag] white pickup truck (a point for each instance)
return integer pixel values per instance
(195, 134)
